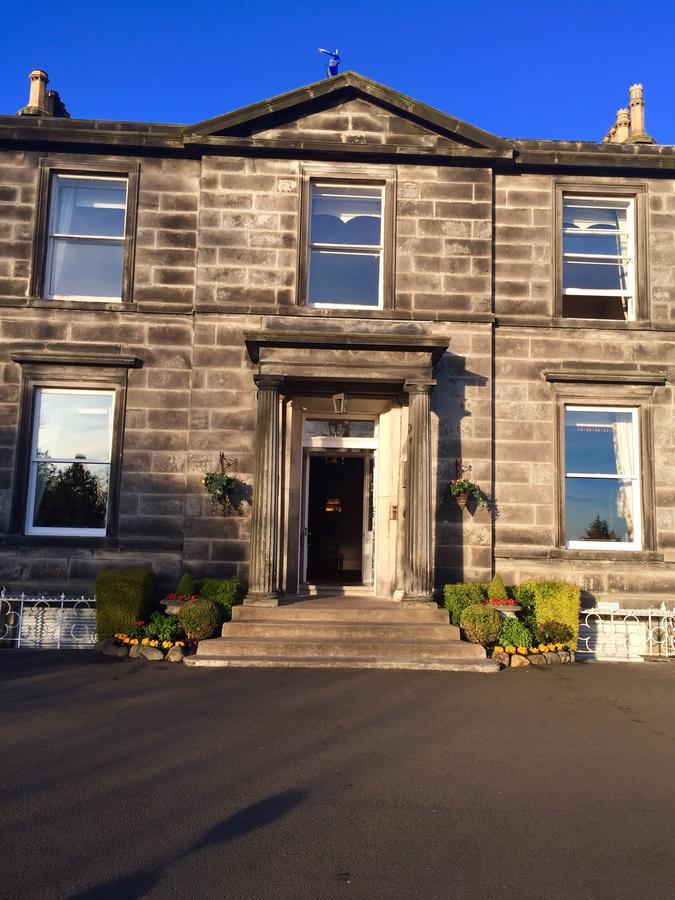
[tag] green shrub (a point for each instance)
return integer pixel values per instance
(163, 628)
(553, 633)
(123, 597)
(481, 624)
(552, 601)
(496, 589)
(514, 632)
(200, 619)
(187, 585)
(456, 597)
(225, 592)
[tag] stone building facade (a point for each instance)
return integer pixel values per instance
(474, 345)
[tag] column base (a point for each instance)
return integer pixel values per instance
(255, 599)
(419, 600)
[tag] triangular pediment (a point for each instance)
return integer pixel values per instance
(347, 109)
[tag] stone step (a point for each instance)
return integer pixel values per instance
(339, 649)
(487, 666)
(394, 613)
(319, 629)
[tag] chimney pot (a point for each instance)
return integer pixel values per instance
(37, 105)
(638, 135)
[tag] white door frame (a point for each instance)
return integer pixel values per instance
(320, 446)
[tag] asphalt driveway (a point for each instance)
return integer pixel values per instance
(129, 779)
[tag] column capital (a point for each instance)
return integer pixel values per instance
(418, 385)
(268, 382)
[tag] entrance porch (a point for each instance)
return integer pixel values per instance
(342, 487)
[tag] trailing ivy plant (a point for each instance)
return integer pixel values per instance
(225, 490)
(463, 486)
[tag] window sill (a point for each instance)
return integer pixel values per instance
(636, 557)
(89, 305)
(28, 541)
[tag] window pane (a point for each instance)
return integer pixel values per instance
(586, 306)
(85, 268)
(89, 206)
(339, 428)
(346, 215)
(70, 495)
(588, 213)
(74, 425)
(600, 442)
(595, 276)
(351, 278)
(594, 243)
(599, 509)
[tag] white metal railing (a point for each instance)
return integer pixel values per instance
(39, 622)
(626, 635)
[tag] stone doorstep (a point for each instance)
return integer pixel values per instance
(485, 666)
(346, 648)
(396, 614)
(329, 630)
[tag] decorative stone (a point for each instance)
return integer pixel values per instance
(108, 642)
(176, 654)
(135, 650)
(564, 656)
(537, 659)
(151, 653)
(573, 655)
(501, 657)
(518, 661)
(551, 657)
(115, 650)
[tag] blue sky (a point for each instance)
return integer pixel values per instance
(526, 69)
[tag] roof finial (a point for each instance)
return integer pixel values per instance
(333, 62)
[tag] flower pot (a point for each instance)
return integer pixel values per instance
(508, 612)
(462, 499)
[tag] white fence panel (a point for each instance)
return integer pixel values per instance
(626, 635)
(47, 622)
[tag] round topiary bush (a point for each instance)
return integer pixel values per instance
(200, 619)
(481, 624)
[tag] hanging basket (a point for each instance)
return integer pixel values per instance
(462, 499)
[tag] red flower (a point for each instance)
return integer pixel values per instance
(140, 622)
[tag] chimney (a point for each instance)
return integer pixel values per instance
(638, 135)
(42, 102)
(37, 105)
(619, 132)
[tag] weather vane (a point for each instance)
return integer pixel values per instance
(333, 62)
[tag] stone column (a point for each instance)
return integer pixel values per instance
(418, 572)
(262, 583)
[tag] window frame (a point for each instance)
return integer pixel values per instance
(345, 177)
(594, 392)
(637, 193)
(34, 461)
(110, 377)
(621, 546)
(83, 167)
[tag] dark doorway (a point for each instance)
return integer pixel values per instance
(335, 519)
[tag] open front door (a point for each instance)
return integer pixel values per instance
(368, 564)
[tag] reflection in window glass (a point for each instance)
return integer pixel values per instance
(352, 279)
(85, 249)
(345, 245)
(70, 461)
(340, 428)
(602, 486)
(598, 258)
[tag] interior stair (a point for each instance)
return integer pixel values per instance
(342, 634)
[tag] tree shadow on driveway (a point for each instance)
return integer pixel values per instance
(251, 818)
